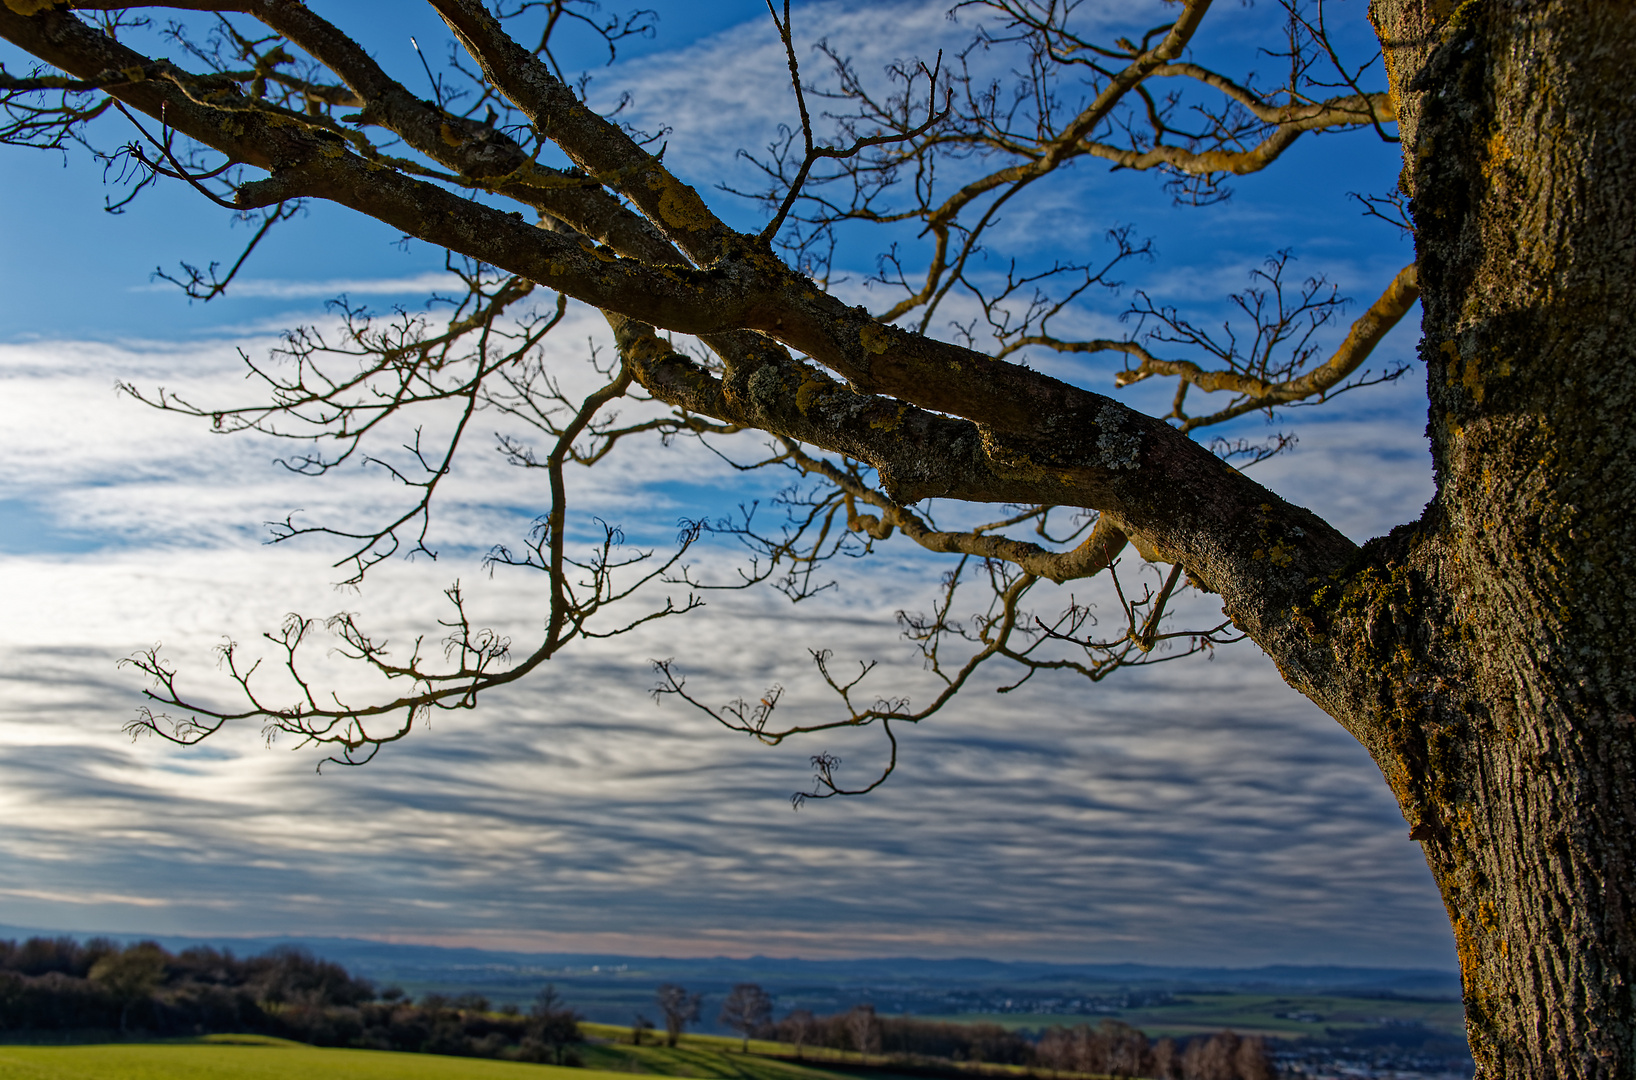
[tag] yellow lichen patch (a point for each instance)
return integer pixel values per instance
(1472, 379)
(875, 337)
(1498, 153)
(1458, 16)
(890, 423)
(1391, 80)
(811, 386)
(1464, 945)
(1452, 351)
(1423, 152)
(449, 135)
(30, 7)
(679, 205)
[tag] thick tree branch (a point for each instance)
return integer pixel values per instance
(601, 148)
(1093, 554)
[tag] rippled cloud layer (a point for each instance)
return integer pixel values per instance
(1198, 812)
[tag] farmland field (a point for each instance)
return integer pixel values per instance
(1282, 1016)
(256, 1057)
(609, 1055)
(250, 1057)
(705, 1057)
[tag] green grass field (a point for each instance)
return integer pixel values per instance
(719, 1057)
(1256, 1014)
(255, 1057)
(710, 1057)
(250, 1057)
(610, 1056)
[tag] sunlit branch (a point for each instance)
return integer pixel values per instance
(1366, 332)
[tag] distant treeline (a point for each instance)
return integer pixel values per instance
(1118, 1049)
(60, 985)
(862, 1030)
(1112, 1048)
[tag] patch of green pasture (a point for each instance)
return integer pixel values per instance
(1014, 1021)
(1312, 1015)
(706, 1061)
(720, 1057)
(1251, 1014)
(726, 1044)
(248, 1057)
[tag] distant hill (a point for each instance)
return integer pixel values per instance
(611, 988)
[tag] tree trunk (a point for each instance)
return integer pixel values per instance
(1490, 644)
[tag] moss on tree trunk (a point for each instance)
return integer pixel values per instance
(1498, 630)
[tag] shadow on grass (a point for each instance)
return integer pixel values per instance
(111, 1036)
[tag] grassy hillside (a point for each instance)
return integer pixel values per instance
(712, 1057)
(250, 1057)
(718, 1057)
(611, 1056)
(256, 1057)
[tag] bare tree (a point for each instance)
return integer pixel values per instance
(1167, 1059)
(1482, 653)
(864, 1029)
(1212, 1058)
(1252, 1061)
(797, 1028)
(639, 1027)
(553, 1023)
(747, 1009)
(680, 1008)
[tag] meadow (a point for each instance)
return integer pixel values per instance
(1279, 1016)
(258, 1057)
(254, 1057)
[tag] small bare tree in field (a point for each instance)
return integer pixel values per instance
(680, 1009)
(747, 1009)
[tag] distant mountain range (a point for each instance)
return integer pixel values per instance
(611, 987)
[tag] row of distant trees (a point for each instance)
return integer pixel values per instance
(748, 1009)
(1117, 1049)
(1112, 1048)
(58, 984)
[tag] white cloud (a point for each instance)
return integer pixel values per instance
(732, 91)
(1198, 812)
(417, 286)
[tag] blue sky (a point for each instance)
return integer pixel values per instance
(1199, 812)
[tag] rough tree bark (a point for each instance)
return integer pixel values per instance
(1486, 649)
(1483, 654)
